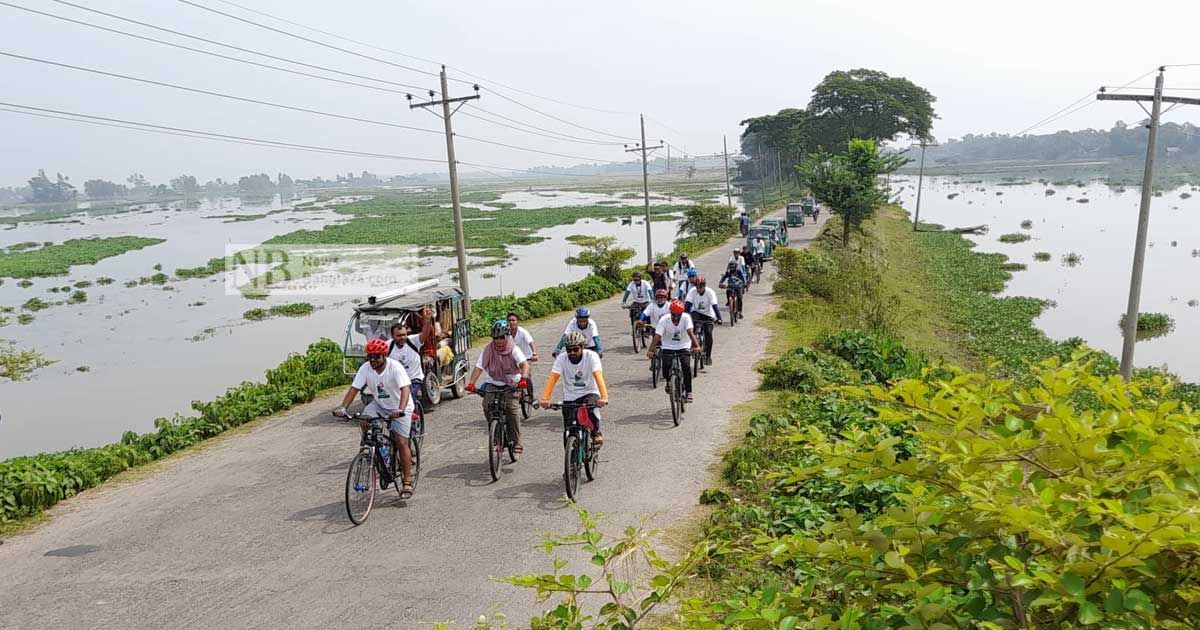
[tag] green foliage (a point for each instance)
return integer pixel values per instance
(705, 219)
(16, 364)
(295, 309)
(540, 303)
(1150, 325)
(255, 314)
(35, 304)
(603, 255)
(1041, 256)
(31, 484)
(56, 260)
(1013, 266)
(24, 319)
(878, 357)
(804, 370)
(869, 104)
(1014, 237)
(805, 272)
(77, 297)
(214, 266)
(25, 284)
(846, 182)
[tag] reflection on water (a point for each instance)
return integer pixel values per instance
(150, 350)
(1091, 250)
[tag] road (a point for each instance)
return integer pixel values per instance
(252, 532)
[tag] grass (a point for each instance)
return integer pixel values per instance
(1014, 237)
(56, 260)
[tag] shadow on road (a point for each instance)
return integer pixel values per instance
(549, 495)
(473, 475)
(660, 421)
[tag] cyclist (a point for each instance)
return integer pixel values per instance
(744, 223)
(676, 334)
(738, 260)
(524, 342)
(387, 381)
(660, 276)
(656, 311)
(701, 303)
(680, 270)
(759, 247)
(688, 282)
(583, 323)
(505, 365)
(734, 282)
(641, 291)
(405, 348)
(582, 380)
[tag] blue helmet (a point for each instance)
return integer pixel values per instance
(499, 328)
(582, 311)
(692, 273)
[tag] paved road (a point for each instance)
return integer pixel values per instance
(252, 533)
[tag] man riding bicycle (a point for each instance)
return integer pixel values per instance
(641, 291)
(386, 381)
(582, 380)
(582, 323)
(660, 276)
(701, 303)
(676, 334)
(681, 269)
(656, 311)
(506, 366)
(734, 282)
(405, 348)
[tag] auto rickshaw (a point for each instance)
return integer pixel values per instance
(767, 232)
(781, 230)
(425, 308)
(795, 215)
(810, 207)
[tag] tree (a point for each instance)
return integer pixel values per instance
(42, 190)
(869, 104)
(602, 255)
(256, 183)
(103, 189)
(284, 181)
(137, 180)
(707, 219)
(847, 182)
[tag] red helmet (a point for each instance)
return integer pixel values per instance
(677, 307)
(700, 280)
(661, 293)
(377, 346)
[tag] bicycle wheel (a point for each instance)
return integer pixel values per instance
(360, 488)
(655, 366)
(571, 466)
(676, 385)
(495, 447)
(698, 359)
(590, 462)
(526, 402)
(414, 445)
(633, 332)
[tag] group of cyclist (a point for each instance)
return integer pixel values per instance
(676, 303)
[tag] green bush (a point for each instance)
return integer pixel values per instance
(803, 370)
(805, 272)
(878, 357)
(31, 484)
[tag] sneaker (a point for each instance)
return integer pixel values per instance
(689, 397)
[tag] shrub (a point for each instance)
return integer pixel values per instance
(802, 271)
(707, 219)
(879, 357)
(803, 370)
(603, 255)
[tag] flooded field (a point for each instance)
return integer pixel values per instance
(132, 354)
(1097, 224)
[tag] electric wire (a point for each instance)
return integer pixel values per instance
(549, 134)
(106, 121)
(200, 50)
(233, 47)
(307, 39)
(1062, 113)
(552, 116)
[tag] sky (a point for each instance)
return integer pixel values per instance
(695, 68)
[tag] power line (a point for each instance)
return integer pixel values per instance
(233, 47)
(105, 121)
(520, 148)
(217, 94)
(200, 50)
(1062, 113)
(538, 111)
(307, 39)
(548, 132)
(525, 170)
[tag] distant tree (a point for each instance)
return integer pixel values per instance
(43, 190)
(871, 105)
(284, 181)
(137, 180)
(256, 183)
(103, 189)
(184, 184)
(691, 171)
(707, 219)
(603, 256)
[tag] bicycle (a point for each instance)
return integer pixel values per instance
(578, 450)
(701, 358)
(675, 393)
(526, 399)
(755, 270)
(734, 305)
(498, 438)
(378, 464)
(635, 331)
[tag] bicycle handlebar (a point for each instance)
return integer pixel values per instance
(572, 405)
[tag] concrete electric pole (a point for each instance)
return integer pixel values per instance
(644, 150)
(459, 241)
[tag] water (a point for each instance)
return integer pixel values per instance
(1091, 296)
(149, 352)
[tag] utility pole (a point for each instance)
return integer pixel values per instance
(644, 150)
(778, 174)
(728, 190)
(1139, 248)
(920, 180)
(668, 157)
(459, 241)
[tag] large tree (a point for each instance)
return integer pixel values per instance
(871, 105)
(847, 182)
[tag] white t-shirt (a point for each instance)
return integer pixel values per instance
(654, 312)
(591, 331)
(640, 293)
(407, 357)
(384, 386)
(703, 303)
(487, 378)
(759, 245)
(741, 262)
(578, 379)
(524, 341)
(675, 336)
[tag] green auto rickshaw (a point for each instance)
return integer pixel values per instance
(767, 233)
(795, 215)
(781, 229)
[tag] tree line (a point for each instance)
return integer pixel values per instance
(1122, 140)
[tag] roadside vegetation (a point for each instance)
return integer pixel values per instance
(56, 260)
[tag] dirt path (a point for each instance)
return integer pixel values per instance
(252, 533)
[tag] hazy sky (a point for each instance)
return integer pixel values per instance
(696, 68)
